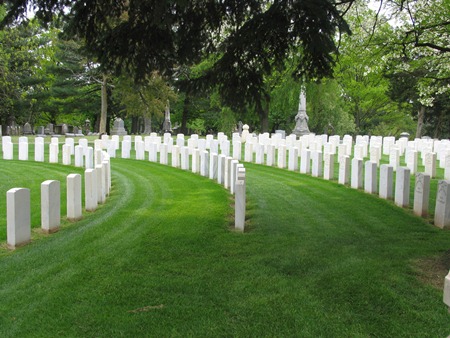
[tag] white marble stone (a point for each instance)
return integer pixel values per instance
(237, 150)
(430, 164)
(153, 152)
(402, 187)
(54, 152)
(66, 154)
(225, 147)
(18, 224)
(79, 160)
(234, 164)
(394, 158)
(175, 156)
(227, 172)
(259, 153)
(371, 177)
(328, 166)
(293, 159)
(89, 158)
(421, 194)
(305, 161)
(386, 181)
(357, 173)
(281, 156)
(163, 155)
(184, 154)
(248, 152)
(23, 151)
(39, 150)
(213, 160)
(98, 156)
(270, 158)
(100, 179)
(83, 142)
(221, 169)
(140, 150)
(447, 167)
(195, 161)
(8, 151)
(50, 206)
(204, 163)
(90, 190)
(70, 142)
(74, 211)
(240, 201)
(317, 163)
(442, 210)
(447, 291)
(411, 159)
(344, 170)
(126, 149)
(107, 176)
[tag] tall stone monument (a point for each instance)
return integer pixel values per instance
(119, 127)
(301, 119)
(167, 126)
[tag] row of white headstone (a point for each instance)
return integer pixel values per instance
(97, 186)
(194, 156)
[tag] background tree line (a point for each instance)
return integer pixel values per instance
(217, 65)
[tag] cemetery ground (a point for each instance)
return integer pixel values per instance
(160, 258)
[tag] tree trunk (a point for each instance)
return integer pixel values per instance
(264, 113)
(185, 115)
(420, 118)
(134, 125)
(147, 125)
(104, 108)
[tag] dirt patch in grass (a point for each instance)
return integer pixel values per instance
(432, 271)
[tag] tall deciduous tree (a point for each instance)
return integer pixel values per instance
(249, 38)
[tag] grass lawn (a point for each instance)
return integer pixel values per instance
(160, 259)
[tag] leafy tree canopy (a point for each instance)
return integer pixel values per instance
(248, 37)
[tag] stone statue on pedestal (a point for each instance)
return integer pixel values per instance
(167, 126)
(301, 119)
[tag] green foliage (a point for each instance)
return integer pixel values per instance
(326, 110)
(147, 98)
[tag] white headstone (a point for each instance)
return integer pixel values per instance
(184, 154)
(402, 187)
(18, 224)
(421, 194)
(328, 166)
(240, 201)
(442, 210)
(371, 177)
(430, 164)
(74, 211)
(175, 156)
(23, 151)
(293, 159)
(90, 190)
(386, 181)
(344, 170)
(213, 160)
(50, 206)
(281, 160)
(357, 173)
(305, 161)
(204, 163)
(39, 149)
(270, 159)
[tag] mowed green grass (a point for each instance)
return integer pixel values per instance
(161, 259)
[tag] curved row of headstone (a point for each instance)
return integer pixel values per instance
(359, 165)
(195, 155)
(97, 186)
